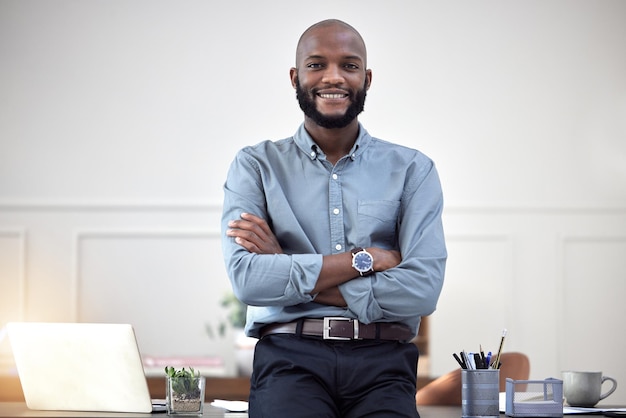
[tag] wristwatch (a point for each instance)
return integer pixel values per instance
(362, 261)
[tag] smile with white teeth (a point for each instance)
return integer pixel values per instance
(332, 95)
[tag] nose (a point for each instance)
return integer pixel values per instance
(332, 75)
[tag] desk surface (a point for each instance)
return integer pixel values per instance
(19, 409)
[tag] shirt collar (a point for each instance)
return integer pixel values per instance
(304, 141)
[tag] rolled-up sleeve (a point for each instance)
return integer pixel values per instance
(412, 288)
(261, 279)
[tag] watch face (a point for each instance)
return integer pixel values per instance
(362, 261)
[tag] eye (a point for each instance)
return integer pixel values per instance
(351, 66)
(314, 65)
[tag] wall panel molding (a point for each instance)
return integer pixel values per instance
(81, 235)
(566, 246)
(90, 205)
(534, 208)
(44, 205)
(19, 235)
(489, 256)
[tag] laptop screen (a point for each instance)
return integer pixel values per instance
(79, 367)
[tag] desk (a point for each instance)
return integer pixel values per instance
(229, 388)
(18, 409)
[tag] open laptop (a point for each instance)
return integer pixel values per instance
(80, 367)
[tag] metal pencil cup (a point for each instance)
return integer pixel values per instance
(480, 390)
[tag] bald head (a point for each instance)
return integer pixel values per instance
(330, 25)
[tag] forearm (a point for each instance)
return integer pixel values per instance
(337, 268)
(400, 294)
(331, 297)
(253, 234)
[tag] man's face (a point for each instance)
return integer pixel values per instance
(306, 99)
(331, 79)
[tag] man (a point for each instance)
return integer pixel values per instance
(329, 234)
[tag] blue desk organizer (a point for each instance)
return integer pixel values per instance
(534, 398)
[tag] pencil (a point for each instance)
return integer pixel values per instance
(496, 364)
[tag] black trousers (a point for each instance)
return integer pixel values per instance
(298, 377)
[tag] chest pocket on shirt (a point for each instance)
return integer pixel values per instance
(378, 220)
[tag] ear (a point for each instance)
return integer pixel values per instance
(293, 75)
(368, 79)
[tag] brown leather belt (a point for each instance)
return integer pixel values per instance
(339, 328)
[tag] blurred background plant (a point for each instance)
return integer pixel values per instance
(231, 325)
(235, 317)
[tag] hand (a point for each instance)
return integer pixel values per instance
(384, 259)
(331, 297)
(254, 234)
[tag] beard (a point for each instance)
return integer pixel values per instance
(307, 104)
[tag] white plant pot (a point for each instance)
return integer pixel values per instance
(244, 353)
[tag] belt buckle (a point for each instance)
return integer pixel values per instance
(326, 330)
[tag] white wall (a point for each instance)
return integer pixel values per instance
(118, 121)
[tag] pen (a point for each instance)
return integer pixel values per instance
(466, 358)
(479, 361)
(482, 358)
(496, 364)
(472, 362)
(458, 359)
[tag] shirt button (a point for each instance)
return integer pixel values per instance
(338, 247)
(335, 176)
(313, 154)
(336, 211)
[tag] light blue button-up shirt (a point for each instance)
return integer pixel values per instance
(379, 195)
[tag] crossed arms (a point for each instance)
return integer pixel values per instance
(254, 234)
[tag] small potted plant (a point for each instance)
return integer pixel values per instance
(184, 391)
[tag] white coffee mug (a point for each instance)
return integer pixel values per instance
(584, 389)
